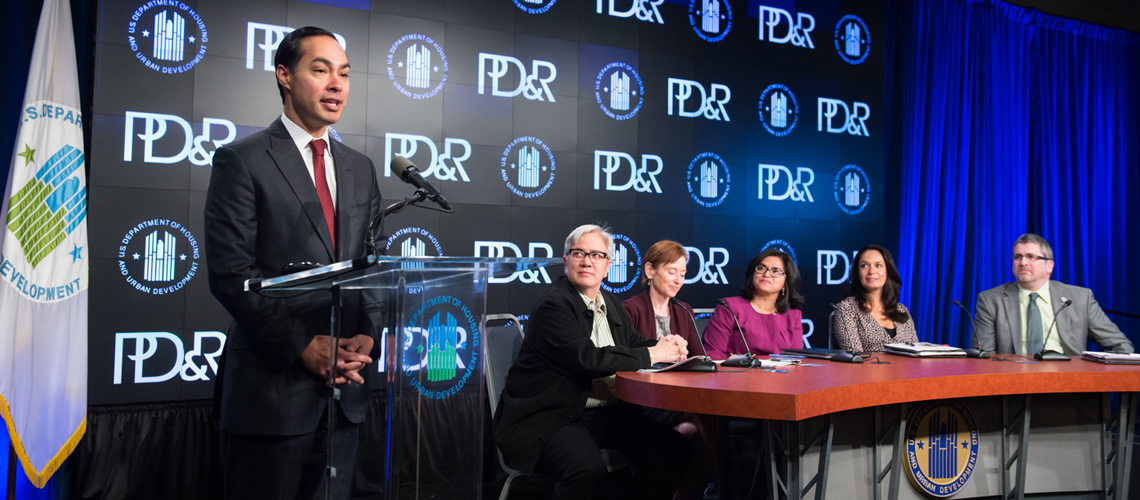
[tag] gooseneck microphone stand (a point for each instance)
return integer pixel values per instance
(377, 224)
(1045, 354)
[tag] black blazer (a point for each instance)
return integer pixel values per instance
(262, 213)
(548, 385)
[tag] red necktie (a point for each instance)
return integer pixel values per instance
(318, 146)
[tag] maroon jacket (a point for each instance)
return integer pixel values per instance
(640, 311)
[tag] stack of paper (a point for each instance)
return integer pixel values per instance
(924, 350)
(778, 362)
(1112, 358)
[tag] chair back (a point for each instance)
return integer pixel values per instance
(503, 342)
(702, 316)
(832, 341)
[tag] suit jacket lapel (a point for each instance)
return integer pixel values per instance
(292, 167)
(1064, 325)
(345, 240)
(1013, 315)
(616, 324)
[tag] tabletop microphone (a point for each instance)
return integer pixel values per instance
(407, 172)
(842, 355)
(706, 363)
(976, 351)
(1046, 355)
(746, 360)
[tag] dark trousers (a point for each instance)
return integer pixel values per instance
(658, 454)
(290, 467)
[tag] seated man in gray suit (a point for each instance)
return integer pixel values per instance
(1015, 318)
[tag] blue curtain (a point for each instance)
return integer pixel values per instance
(965, 156)
(1085, 157)
(1011, 121)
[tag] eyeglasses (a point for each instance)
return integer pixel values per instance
(1032, 258)
(774, 272)
(579, 254)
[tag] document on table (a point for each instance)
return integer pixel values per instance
(924, 350)
(1112, 358)
(778, 362)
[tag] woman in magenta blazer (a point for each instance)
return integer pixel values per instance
(768, 310)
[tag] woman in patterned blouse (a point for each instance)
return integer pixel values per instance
(871, 315)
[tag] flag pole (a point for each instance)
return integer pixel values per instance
(12, 471)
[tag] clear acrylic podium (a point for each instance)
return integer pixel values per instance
(434, 357)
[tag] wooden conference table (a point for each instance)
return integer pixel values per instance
(804, 393)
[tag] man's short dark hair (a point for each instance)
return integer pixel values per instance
(1046, 249)
(289, 51)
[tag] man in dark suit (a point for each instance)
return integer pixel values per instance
(277, 197)
(1015, 318)
(559, 407)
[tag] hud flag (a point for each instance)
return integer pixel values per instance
(44, 260)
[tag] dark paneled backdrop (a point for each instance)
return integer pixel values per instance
(727, 126)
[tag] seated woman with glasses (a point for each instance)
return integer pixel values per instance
(559, 406)
(768, 310)
(871, 315)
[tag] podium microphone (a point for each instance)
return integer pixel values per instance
(706, 364)
(746, 360)
(976, 351)
(407, 172)
(1045, 355)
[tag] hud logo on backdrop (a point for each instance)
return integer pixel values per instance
(444, 166)
(852, 189)
(710, 104)
(941, 447)
(446, 348)
(625, 266)
(499, 249)
(852, 40)
(782, 186)
(708, 179)
(782, 246)
(183, 363)
(640, 178)
(644, 10)
(619, 91)
(534, 86)
(710, 269)
(779, 110)
(826, 262)
(711, 19)
(853, 120)
(527, 167)
(413, 242)
(270, 36)
(158, 256)
(797, 31)
(414, 62)
(168, 37)
(534, 6)
(182, 143)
